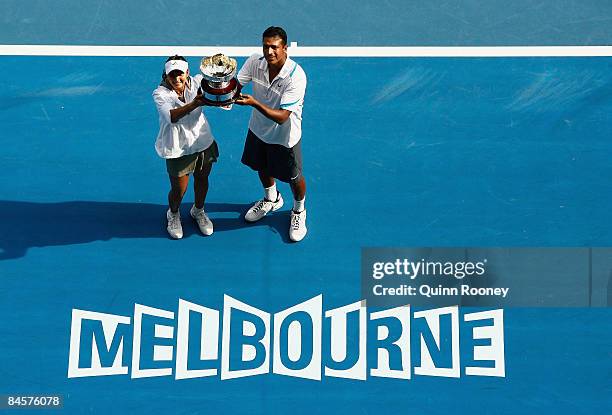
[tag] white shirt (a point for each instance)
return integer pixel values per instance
(188, 135)
(286, 91)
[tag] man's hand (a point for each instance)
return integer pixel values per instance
(279, 116)
(245, 99)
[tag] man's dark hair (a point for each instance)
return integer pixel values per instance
(274, 31)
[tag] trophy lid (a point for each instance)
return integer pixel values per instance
(218, 68)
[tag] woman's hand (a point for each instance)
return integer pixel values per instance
(199, 99)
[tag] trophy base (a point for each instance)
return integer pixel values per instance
(218, 103)
(218, 97)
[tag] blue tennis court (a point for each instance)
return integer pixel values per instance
(398, 152)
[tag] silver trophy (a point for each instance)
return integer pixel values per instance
(219, 85)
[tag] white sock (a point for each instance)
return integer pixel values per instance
(298, 205)
(271, 193)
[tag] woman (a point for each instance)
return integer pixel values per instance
(185, 141)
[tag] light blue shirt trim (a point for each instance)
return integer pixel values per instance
(289, 104)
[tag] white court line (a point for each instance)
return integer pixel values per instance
(310, 51)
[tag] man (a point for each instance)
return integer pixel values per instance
(273, 143)
(184, 141)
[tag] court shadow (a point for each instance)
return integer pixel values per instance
(30, 224)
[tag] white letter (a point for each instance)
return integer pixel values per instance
(109, 327)
(209, 349)
(229, 304)
(493, 352)
(428, 368)
(339, 332)
(314, 308)
(383, 368)
(160, 353)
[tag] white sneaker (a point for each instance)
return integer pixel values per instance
(204, 223)
(297, 226)
(262, 207)
(175, 229)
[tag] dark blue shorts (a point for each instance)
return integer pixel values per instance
(280, 162)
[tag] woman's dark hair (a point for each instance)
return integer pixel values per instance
(176, 58)
(171, 58)
(274, 31)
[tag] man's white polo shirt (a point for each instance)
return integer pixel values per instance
(190, 134)
(286, 91)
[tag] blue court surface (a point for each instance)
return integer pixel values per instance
(398, 152)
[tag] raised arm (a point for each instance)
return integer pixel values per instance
(277, 115)
(178, 113)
